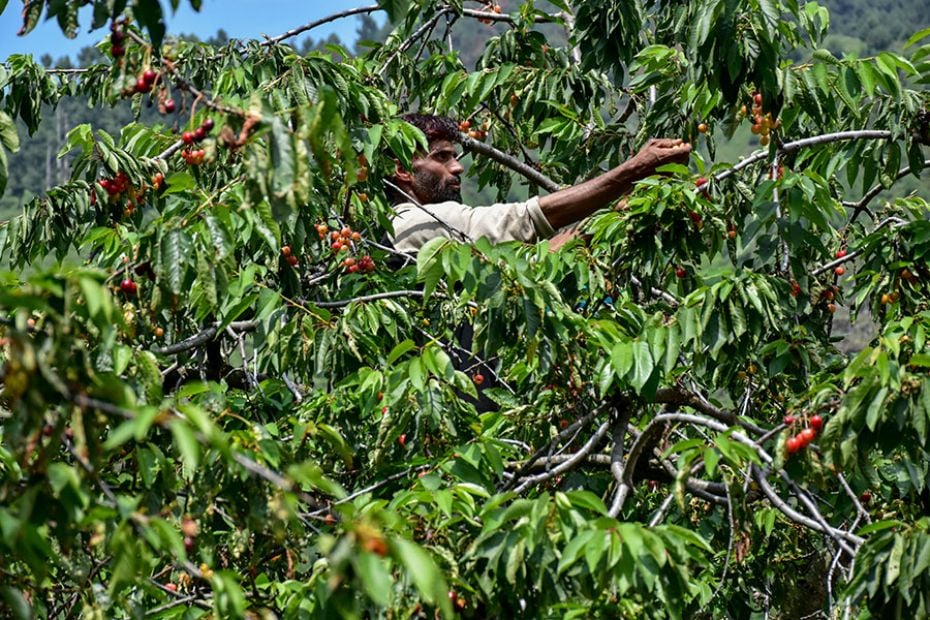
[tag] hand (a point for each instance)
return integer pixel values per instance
(658, 152)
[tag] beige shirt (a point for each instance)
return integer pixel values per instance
(518, 221)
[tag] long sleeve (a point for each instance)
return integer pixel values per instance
(518, 221)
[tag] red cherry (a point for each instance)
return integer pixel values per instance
(199, 134)
(171, 586)
(117, 36)
(149, 76)
(207, 125)
(478, 379)
(793, 444)
(788, 420)
(866, 497)
(118, 51)
(840, 253)
(680, 272)
(808, 435)
(816, 423)
(142, 86)
(128, 287)
(757, 98)
(187, 137)
(839, 270)
(170, 106)
(286, 250)
(700, 181)
(402, 440)
(292, 260)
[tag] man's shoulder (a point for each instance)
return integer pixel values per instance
(410, 210)
(448, 204)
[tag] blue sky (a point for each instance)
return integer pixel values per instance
(240, 18)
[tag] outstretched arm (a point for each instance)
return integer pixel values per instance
(575, 203)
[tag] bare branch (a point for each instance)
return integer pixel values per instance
(319, 22)
(364, 298)
(570, 463)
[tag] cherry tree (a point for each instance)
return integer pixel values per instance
(224, 393)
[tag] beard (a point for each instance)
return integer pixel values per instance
(430, 188)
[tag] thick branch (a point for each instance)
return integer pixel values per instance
(790, 147)
(514, 164)
(677, 396)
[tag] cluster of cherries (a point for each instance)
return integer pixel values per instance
(805, 436)
(119, 187)
(145, 81)
(289, 256)
(829, 295)
(762, 122)
(342, 241)
(117, 37)
(477, 134)
(907, 276)
(194, 157)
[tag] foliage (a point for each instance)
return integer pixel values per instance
(205, 410)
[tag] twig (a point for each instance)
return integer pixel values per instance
(790, 147)
(666, 296)
(319, 22)
(562, 436)
(503, 17)
(364, 298)
(370, 488)
(894, 221)
(570, 463)
(428, 26)
(862, 204)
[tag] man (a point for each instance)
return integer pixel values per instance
(428, 198)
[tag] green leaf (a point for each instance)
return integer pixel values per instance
(424, 572)
(179, 182)
(875, 409)
(375, 578)
(150, 17)
(574, 549)
(172, 261)
(187, 445)
(879, 526)
(14, 599)
(917, 36)
(8, 134)
(643, 364)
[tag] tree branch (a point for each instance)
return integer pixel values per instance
(514, 164)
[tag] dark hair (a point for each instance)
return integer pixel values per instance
(434, 127)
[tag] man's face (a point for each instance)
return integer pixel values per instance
(435, 177)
